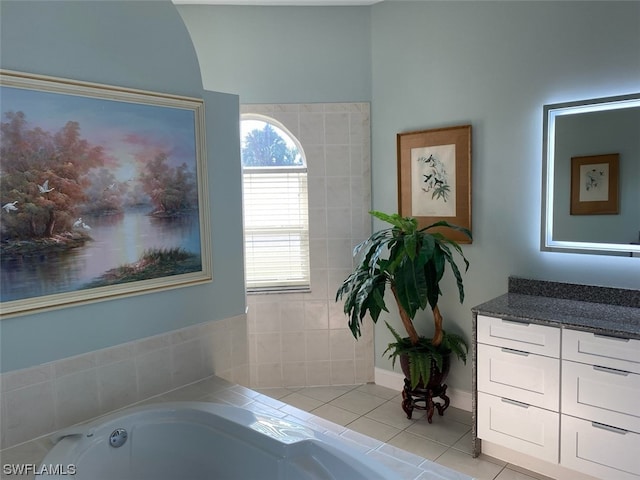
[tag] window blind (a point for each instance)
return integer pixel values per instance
(276, 228)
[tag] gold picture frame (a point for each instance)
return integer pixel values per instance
(594, 185)
(434, 177)
(104, 193)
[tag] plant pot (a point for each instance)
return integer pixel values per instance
(437, 377)
(421, 397)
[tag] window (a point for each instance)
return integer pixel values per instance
(276, 220)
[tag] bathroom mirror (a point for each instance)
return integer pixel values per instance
(591, 176)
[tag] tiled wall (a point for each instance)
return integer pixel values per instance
(295, 339)
(302, 339)
(42, 399)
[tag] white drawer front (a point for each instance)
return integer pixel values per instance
(600, 394)
(525, 377)
(523, 428)
(528, 337)
(586, 347)
(598, 450)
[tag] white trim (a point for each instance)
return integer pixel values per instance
(533, 464)
(304, 3)
(386, 378)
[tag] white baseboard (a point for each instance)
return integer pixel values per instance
(531, 463)
(386, 378)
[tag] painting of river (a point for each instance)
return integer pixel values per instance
(117, 240)
(103, 192)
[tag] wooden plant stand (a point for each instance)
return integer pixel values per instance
(422, 399)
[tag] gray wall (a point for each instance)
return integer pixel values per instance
(494, 65)
(421, 64)
(436, 64)
(142, 45)
(283, 54)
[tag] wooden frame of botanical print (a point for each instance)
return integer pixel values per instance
(103, 190)
(594, 185)
(434, 177)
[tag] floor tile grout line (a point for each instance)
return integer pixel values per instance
(500, 472)
(405, 428)
(448, 448)
(434, 460)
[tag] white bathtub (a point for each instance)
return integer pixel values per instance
(198, 440)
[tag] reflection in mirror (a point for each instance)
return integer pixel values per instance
(591, 176)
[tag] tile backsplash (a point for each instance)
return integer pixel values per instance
(42, 399)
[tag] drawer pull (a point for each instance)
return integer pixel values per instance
(622, 373)
(609, 428)
(515, 352)
(515, 322)
(608, 337)
(513, 402)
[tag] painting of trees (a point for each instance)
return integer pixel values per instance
(171, 189)
(45, 174)
(77, 182)
(104, 195)
(99, 186)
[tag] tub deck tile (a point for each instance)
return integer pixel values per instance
(318, 409)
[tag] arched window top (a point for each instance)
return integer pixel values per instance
(266, 143)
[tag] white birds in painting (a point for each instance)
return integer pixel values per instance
(10, 206)
(80, 224)
(44, 188)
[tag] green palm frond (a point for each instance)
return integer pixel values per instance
(422, 356)
(411, 261)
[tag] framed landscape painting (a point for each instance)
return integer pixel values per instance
(103, 192)
(434, 178)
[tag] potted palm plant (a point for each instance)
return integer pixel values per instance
(411, 261)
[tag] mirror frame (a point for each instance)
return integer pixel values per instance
(551, 112)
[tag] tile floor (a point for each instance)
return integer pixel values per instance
(367, 416)
(376, 412)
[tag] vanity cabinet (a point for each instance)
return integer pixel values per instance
(556, 379)
(600, 421)
(518, 367)
(565, 396)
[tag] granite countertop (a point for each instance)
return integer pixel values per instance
(595, 317)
